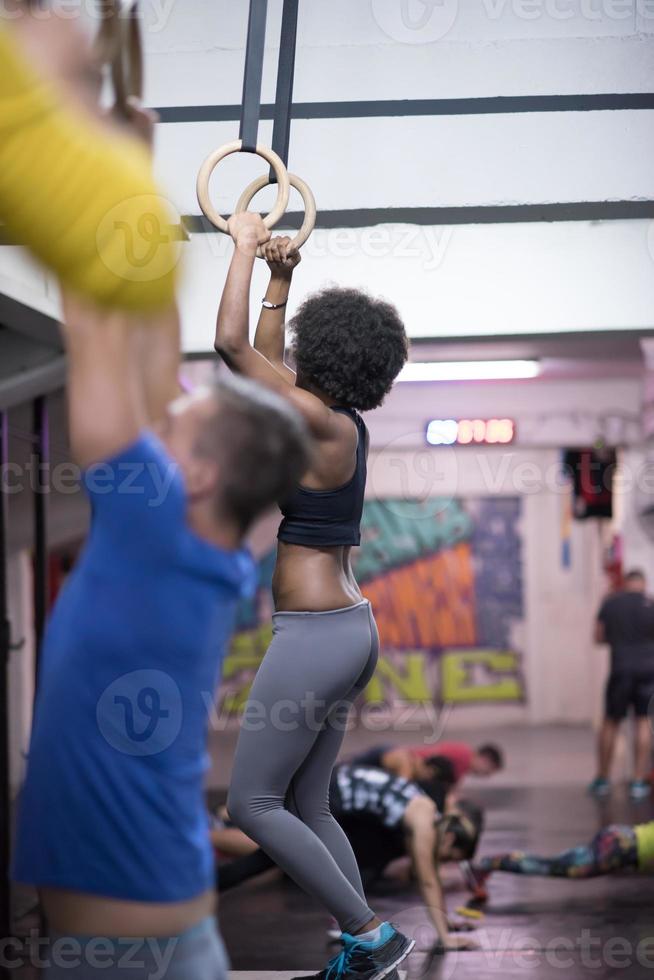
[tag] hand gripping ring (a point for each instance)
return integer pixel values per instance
(307, 197)
(210, 164)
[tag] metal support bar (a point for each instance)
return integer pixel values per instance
(41, 491)
(253, 74)
(285, 79)
(5, 649)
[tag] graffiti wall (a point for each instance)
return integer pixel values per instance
(445, 581)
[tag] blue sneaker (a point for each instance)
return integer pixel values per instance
(361, 960)
(599, 787)
(639, 789)
(393, 975)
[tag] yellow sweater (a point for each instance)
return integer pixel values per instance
(81, 199)
(645, 839)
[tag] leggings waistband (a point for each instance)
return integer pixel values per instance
(343, 611)
(205, 926)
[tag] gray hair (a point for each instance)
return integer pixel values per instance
(262, 445)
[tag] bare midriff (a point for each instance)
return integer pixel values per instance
(311, 579)
(80, 914)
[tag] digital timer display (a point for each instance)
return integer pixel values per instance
(470, 432)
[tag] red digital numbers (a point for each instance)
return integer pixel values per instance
(470, 432)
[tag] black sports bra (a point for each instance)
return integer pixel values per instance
(328, 518)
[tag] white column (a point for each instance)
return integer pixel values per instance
(647, 347)
(21, 662)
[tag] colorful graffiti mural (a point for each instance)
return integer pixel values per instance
(445, 581)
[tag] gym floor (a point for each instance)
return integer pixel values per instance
(532, 927)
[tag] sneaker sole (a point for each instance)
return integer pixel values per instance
(394, 966)
(388, 972)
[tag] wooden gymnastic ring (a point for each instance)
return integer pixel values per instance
(127, 66)
(119, 45)
(210, 164)
(310, 212)
(107, 39)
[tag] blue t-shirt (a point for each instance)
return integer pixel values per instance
(113, 802)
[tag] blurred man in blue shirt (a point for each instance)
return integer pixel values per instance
(112, 827)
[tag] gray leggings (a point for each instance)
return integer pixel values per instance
(291, 734)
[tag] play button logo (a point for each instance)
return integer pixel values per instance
(415, 21)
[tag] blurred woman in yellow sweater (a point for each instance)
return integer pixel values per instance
(76, 191)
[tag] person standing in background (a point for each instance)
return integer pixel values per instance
(626, 623)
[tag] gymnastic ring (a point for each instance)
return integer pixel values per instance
(107, 39)
(119, 44)
(310, 212)
(127, 66)
(210, 164)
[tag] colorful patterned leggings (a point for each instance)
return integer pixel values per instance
(613, 849)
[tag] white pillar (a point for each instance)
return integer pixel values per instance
(647, 347)
(21, 662)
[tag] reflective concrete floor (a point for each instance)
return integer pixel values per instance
(532, 927)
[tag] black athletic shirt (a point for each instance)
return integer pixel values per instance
(628, 620)
(370, 804)
(328, 518)
(371, 794)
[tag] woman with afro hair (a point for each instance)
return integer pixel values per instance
(348, 349)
